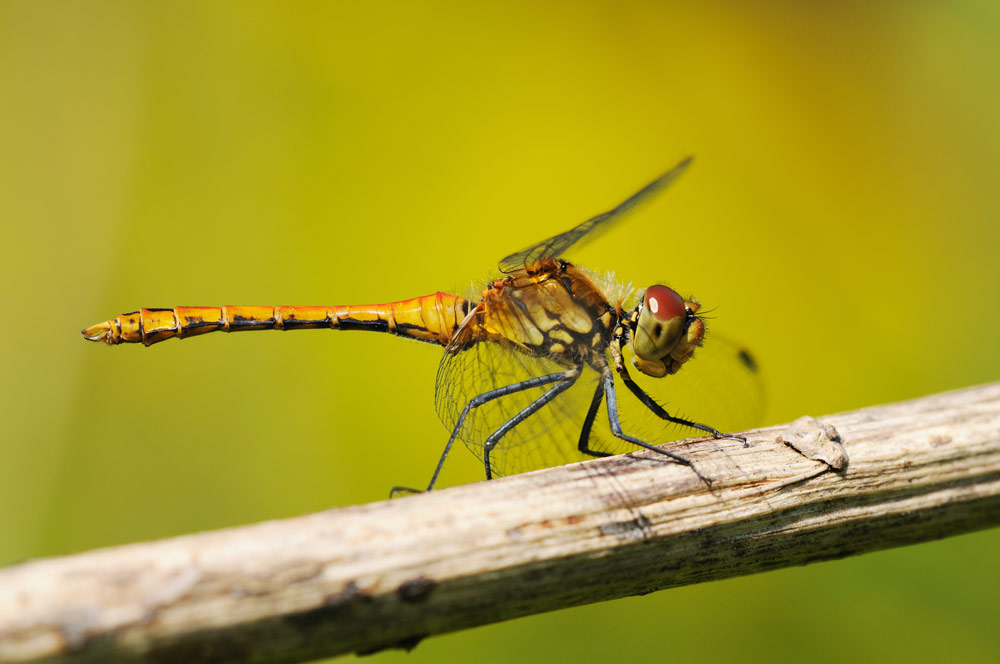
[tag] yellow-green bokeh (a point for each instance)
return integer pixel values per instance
(841, 217)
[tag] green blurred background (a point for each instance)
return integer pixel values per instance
(841, 217)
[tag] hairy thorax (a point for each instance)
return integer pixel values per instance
(548, 308)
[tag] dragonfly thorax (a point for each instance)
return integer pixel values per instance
(550, 308)
(665, 331)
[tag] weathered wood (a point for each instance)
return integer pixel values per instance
(390, 573)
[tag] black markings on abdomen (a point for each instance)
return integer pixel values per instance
(377, 325)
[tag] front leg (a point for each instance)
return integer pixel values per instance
(651, 404)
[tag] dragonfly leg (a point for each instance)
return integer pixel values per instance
(588, 425)
(563, 382)
(608, 381)
(658, 410)
(486, 397)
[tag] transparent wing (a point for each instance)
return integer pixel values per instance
(547, 438)
(557, 245)
(719, 387)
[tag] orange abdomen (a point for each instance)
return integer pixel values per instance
(433, 318)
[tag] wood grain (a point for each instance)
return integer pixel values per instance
(391, 573)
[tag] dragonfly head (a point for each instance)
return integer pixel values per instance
(665, 331)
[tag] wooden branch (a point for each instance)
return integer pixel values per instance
(389, 574)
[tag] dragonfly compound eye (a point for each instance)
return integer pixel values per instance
(661, 323)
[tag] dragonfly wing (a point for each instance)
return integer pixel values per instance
(720, 386)
(557, 245)
(546, 438)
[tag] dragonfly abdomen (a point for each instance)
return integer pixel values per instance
(433, 318)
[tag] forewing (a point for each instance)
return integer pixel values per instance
(557, 245)
(720, 387)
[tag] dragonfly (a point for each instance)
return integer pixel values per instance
(527, 368)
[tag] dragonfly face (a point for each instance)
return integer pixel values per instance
(665, 331)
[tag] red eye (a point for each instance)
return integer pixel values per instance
(664, 303)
